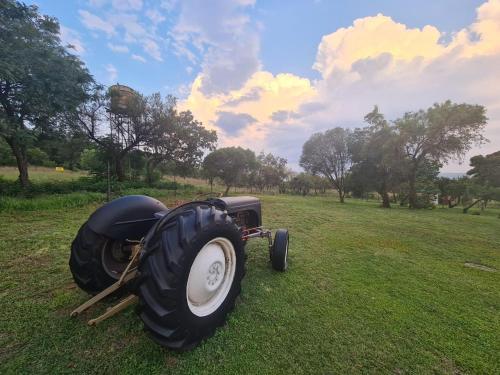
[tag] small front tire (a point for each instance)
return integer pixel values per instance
(279, 251)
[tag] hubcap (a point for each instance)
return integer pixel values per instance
(211, 276)
(115, 257)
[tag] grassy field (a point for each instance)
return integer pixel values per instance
(368, 291)
(42, 174)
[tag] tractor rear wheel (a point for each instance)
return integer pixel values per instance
(190, 276)
(97, 261)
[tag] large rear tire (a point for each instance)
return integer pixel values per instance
(97, 261)
(190, 276)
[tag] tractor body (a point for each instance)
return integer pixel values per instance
(183, 265)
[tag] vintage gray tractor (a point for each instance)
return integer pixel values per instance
(183, 265)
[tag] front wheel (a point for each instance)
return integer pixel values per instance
(191, 272)
(279, 250)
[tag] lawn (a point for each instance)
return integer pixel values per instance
(42, 174)
(368, 291)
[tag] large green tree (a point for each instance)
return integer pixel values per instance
(39, 78)
(377, 157)
(444, 131)
(329, 155)
(231, 164)
(175, 137)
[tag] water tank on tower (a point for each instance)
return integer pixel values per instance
(122, 98)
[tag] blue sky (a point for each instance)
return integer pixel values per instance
(281, 70)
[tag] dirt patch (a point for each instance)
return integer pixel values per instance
(478, 266)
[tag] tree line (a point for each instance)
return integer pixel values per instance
(53, 112)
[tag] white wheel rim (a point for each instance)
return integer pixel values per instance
(211, 276)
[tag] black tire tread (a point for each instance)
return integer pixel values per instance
(85, 261)
(161, 292)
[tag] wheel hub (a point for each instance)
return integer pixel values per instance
(211, 276)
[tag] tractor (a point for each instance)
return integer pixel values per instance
(183, 266)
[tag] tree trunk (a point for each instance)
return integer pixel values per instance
(120, 173)
(386, 202)
(341, 195)
(19, 152)
(412, 193)
(227, 190)
(150, 166)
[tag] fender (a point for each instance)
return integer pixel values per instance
(129, 217)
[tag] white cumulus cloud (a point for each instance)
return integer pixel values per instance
(93, 22)
(376, 60)
(138, 58)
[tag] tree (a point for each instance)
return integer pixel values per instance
(486, 169)
(301, 184)
(175, 137)
(230, 164)
(39, 78)
(377, 157)
(329, 155)
(442, 132)
(271, 171)
(451, 190)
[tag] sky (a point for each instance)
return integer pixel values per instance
(268, 74)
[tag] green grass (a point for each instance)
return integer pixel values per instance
(42, 174)
(368, 291)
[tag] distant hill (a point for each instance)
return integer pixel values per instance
(452, 174)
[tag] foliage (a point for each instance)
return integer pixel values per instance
(39, 78)
(271, 172)
(452, 191)
(93, 160)
(486, 169)
(36, 156)
(329, 154)
(301, 184)
(442, 132)
(175, 138)
(378, 163)
(231, 164)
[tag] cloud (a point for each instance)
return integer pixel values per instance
(232, 123)
(282, 116)
(225, 36)
(93, 22)
(97, 3)
(155, 16)
(72, 39)
(125, 5)
(168, 5)
(376, 60)
(118, 48)
(112, 73)
(251, 96)
(152, 49)
(138, 58)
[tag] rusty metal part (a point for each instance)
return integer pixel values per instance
(106, 292)
(127, 301)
